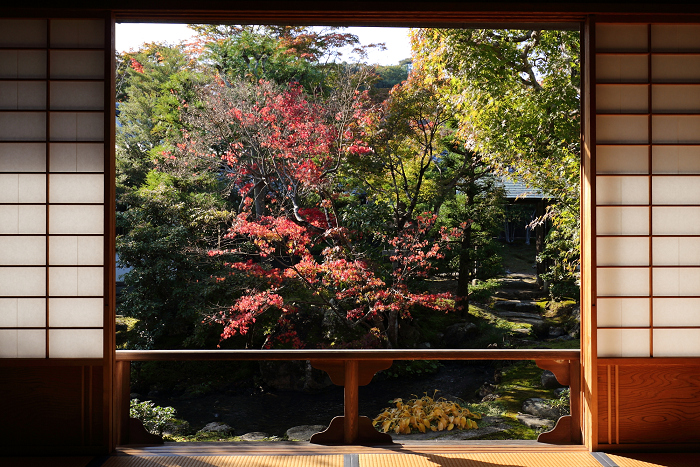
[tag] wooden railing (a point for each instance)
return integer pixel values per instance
(351, 369)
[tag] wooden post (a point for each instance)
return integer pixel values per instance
(351, 428)
(352, 409)
(122, 395)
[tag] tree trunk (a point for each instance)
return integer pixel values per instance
(259, 192)
(465, 276)
(392, 329)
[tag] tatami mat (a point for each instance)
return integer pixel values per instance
(226, 461)
(341, 456)
(582, 459)
(656, 459)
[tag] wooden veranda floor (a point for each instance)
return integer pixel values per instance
(257, 454)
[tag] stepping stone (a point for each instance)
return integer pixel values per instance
(531, 421)
(517, 305)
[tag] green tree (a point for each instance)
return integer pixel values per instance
(154, 87)
(518, 98)
(170, 225)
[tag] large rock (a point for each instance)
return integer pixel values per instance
(255, 436)
(533, 422)
(460, 335)
(304, 432)
(549, 381)
(540, 408)
(216, 427)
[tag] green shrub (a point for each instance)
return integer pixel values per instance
(155, 418)
(482, 291)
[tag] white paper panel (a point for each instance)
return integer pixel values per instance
(675, 69)
(623, 312)
(675, 220)
(675, 38)
(676, 342)
(77, 95)
(22, 126)
(22, 157)
(20, 282)
(621, 37)
(70, 126)
(22, 32)
(24, 64)
(622, 251)
(676, 282)
(675, 129)
(67, 219)
(623, 282)
(72, 282)
(81, 251)
(675, 99)
(623, 343)
(63, 282)
(31, 219)
(31, 343)
(75, 343)
(19, 251)
(676, 251)
(76, 312)
(18, 95)
(676, 159)
(22, 219)
(622, 221)
(78, 33)
(676, 190)
(8, 313)
(22, 188)
(9, 188)
(677, 312)
(611, 98)
(32, 188)
(622, 129)
(622, 159)
(22, 343)
(77, 157)
(622, 69)
(622, 190)
(31, 312)
(22, 312)
(8, 343)
(79, 188)
(77, 64)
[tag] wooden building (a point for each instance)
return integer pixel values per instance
(640, 354)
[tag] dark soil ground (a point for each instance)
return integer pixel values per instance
(248, 409)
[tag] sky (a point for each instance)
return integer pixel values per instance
(132, 35)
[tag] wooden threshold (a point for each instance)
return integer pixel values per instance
(300, 448)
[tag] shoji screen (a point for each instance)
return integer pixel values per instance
(52, 187)
(648, 190)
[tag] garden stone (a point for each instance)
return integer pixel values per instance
(533, 422)
(549, 381)
(540, 408)
(556, 332)
(304, 432)
(558, 391)
(216, 427)
(255, 436)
